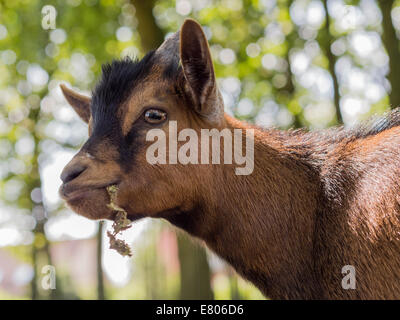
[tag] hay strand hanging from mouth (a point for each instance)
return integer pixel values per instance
(120, 224)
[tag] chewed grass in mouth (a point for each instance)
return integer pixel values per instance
(120, 224)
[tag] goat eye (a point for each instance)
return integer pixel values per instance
(155, 116)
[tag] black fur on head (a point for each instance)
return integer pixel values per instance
(117, 82)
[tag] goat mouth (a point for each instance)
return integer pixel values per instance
(68, 193)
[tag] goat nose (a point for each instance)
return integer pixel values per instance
(70, 173)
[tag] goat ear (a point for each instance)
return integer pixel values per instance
(199, 71)
(79, 102)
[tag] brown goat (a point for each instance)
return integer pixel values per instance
(315, 202)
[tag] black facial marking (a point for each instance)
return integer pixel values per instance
(117, 82)
(128, 147)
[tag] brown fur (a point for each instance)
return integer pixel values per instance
(314, 203)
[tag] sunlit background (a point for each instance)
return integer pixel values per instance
(281, 63)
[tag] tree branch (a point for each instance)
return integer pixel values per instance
(150, 33)
(390, 42)
(326, 40)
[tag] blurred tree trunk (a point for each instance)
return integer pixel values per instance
(289, 87)
(40, 245)
(34, 290)
(326, 39)
(32, 183)
(40, 257)
(234, 286)
(391, 43)
(100, 277)
(54, 293)
(195, 271)
(150, 34)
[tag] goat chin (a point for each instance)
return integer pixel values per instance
(92, 204)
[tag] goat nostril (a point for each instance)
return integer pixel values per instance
(72, 173)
